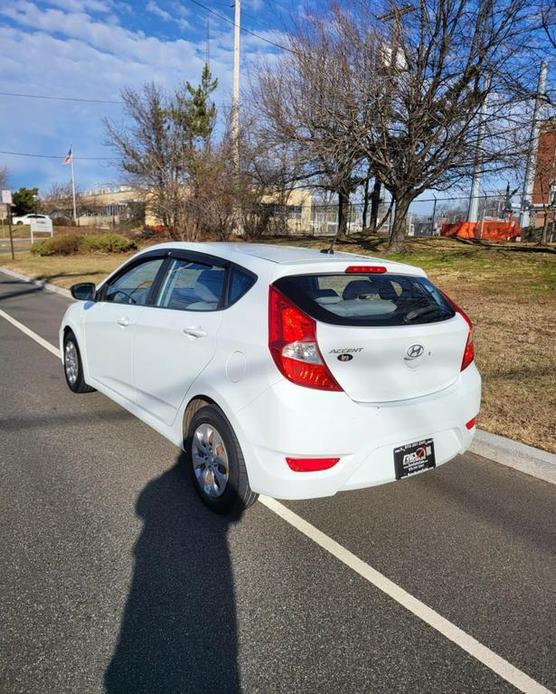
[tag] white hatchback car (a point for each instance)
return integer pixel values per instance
(279, 370)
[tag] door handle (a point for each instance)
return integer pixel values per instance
(194, 331)
(123, 322)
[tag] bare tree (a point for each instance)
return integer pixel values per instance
(403, 93)
(304, 110)
(547, 12)
(270, 173)
(59, 199)
(426, 83)
(165, 148)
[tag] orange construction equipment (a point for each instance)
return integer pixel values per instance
(488, 230)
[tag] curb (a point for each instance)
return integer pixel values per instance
(532, 461)
(519, 456)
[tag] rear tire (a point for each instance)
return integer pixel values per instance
(73, 366)
(216, 463)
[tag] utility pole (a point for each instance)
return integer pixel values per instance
(473, 209)
(73, 192)
(395, 17)
(528, 183)
(8, 201)
(235, 89)
(10, 231)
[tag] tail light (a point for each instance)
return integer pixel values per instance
(292, 340)
(469, 351)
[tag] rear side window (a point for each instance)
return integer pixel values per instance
(367, 300)
(240, 284)
(191, 286)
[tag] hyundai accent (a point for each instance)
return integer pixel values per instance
(279, 370)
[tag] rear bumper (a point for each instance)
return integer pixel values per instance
(287, 420)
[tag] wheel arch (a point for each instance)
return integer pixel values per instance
(194, 405)
(71, 325)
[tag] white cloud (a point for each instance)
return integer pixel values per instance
(70, 53)
(155, 9)
(83, 5)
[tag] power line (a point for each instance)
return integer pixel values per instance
(247, 31)
(55, 156)
(60, 98)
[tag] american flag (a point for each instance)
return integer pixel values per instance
(69, 157)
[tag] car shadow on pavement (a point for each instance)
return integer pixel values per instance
(178, 631)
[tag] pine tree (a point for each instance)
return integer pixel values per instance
(195, 113)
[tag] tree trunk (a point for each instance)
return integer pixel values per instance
(343, 204)
(365, 203)
(375, 203)
(399, 226)
(544, 238)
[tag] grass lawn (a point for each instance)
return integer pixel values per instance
(510, 295)
(65, 270)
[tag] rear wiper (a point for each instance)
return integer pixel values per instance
(418, 312)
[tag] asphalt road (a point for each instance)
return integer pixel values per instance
(114, 577)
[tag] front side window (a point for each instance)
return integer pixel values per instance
(133, 286)
(191, 286)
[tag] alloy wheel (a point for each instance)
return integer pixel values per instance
(71, 362)
(210, 460)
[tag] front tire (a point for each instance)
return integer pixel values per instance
(73, 366)
(216, 462)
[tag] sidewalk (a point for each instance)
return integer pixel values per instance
(527, 459)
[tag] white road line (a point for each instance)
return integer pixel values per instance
(469, 644)
(465, 641)
(24, 329)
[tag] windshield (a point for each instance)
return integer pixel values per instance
(367, 299)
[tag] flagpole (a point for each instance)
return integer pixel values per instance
(73, 190)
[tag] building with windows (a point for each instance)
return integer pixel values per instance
(110, 206)
(544, 187)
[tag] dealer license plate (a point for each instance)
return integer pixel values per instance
(414, 457)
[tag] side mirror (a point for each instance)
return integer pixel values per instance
(84, 291)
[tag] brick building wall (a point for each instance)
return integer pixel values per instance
(545, 170)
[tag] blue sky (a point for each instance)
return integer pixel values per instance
(93, 48)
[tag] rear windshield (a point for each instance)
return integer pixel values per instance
(350, 299)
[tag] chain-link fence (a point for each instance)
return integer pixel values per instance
(426, 216)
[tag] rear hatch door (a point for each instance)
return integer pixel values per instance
(397, 363)
(384, 337)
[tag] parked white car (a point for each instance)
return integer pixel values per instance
(279, 370)
(31, 218)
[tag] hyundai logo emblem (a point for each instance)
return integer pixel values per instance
(414, 351)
